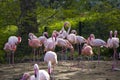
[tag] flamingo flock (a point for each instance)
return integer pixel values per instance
(65, 39)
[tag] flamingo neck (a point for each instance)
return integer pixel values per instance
(68, 31)
(49, 67)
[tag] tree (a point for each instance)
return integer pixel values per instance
(27, 23)
(28, 17)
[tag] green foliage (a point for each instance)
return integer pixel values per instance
(97, 16)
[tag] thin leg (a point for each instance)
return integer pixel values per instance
(9, 59)
(98, 55)
(12, 57)
(114, 63)
(34, 55)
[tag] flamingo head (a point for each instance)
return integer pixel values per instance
(67, 24)
(115, 33)
(25, 76)
(111, 34)
(19, 39)
(30, 35)
(45, 34)
(74, 31)
(36, 69)
(92, 36)
(54, 35)
(49, 67)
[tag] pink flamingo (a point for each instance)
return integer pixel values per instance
(10, 50)
(11, 45)
(96, 43)
(26, 76)
(64, 43)
(73, 38)
(34, 43)
(43, 39)
(32, 36)
(79, 39)
(51, 58)
(87, 51)
(113, 42)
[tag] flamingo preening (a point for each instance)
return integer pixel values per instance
(87, 51)
(113, 42)
(11, 46)
(96, 43)
(40, 74)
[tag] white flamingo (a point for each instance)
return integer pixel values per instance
(63, 33)
(40, 74)
(51, 58)
(96, 43)
(113, 42)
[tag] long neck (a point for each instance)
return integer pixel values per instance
(68, 31)
(38, 76)
(49, 67)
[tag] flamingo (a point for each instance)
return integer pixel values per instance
(79, 39)
(40, 74)
(9, 50)
(113, 42)
(63, 33)
(11, 45)
(51, 58)
(34, 43)
(76, 39)
(87, 50)
(32, 36)
(64, 43)
(43, 38)
(96, 43)
(26, 76)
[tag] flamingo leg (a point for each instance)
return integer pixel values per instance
(12, 57)
(98, 55)
(8, 58)
(114, 59)
(34, 55)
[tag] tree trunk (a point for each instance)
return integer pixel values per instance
(27, 24)
(28, 19)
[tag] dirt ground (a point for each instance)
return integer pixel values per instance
(65, 70)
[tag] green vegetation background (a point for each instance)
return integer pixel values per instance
(97, 16)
